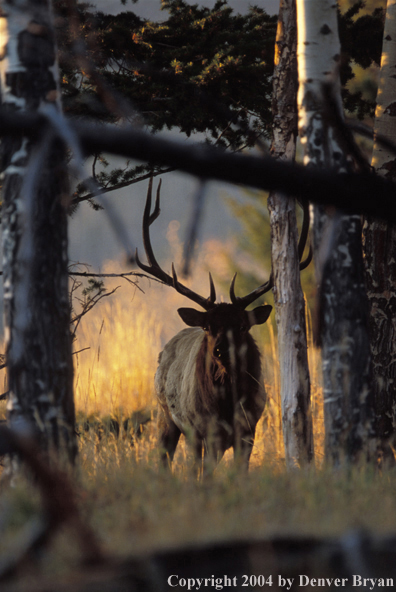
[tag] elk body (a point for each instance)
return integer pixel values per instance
(208, 382)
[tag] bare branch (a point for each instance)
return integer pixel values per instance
(79, 199)
(59, 506)
(124, 276)
(88, 306)
(80, 350)
(350, 192)
(194, 227)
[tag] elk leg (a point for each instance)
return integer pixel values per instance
(168, 437)
(243, 449)
(197, 448)
(213, 453)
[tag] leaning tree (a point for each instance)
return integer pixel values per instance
(35, 199)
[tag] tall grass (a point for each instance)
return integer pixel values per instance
(125, 333)
(133, 505)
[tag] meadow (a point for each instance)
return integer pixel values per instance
(133, 505)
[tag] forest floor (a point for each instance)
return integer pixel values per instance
(134, 507)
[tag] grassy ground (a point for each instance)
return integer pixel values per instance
(134, 506)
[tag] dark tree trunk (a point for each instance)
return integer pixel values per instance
(343, 333)
(342, 322)
(37, 316)
(380, 249)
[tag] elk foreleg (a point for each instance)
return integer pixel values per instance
(243, 447)
(168, 436)
(197, 450)
(213, 452)
(245, 421)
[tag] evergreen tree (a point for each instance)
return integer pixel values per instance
(200, 70)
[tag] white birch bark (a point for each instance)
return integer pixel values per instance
(380, 248)
(343, 319)
(38, 344)
(288, 295)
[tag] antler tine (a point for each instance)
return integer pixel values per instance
(148, 219)
(304, 264)
(206, 303)
(304, 230)
(212, 297)
(249, 298)
(153, 267)
(252, 296)
(232, 290)
(157, 209)
(304, 238)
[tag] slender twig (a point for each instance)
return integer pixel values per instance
(79, 351)
(88, 306)
(78, 199)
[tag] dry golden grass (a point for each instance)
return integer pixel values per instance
(134, 506)
(125, 333)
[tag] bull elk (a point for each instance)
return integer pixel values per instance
(208, 382)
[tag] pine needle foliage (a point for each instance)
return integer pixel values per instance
(361, 42)
(199, 70)
(195, 71)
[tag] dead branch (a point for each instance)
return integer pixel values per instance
(87, 306)
(301, 560)
(59, 506)
(79, 199)
(79, 351)
(122, 275)
(350, 192)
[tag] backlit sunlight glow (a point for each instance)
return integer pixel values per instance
(126, 332)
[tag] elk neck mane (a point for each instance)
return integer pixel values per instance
(209, 378)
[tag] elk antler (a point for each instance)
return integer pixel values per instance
(252, 296)
(153, 267)
(304, 237)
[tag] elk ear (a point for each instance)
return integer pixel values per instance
(192, 317)
(259, 315)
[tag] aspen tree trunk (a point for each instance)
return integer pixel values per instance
(37, 316)
(343, 322)
(288, 295)
(380, 248)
